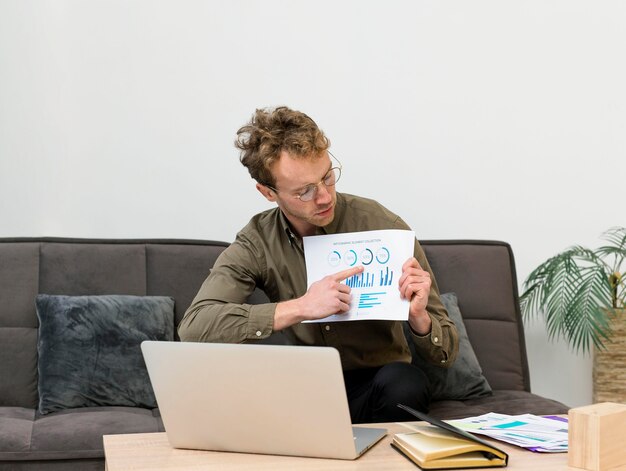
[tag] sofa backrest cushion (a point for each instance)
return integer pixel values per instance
(482, 275)
(19, 285)
(84, 267)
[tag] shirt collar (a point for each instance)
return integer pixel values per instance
(340, 209)
(286, 227)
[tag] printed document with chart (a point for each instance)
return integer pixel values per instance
(375, 293)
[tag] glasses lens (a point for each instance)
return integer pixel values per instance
(329, 180)
(308, 193)
(333, 176)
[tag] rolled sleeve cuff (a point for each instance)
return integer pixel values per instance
(260, 321)
(431, 342)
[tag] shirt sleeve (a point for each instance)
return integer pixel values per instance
(440, 347)
(219, 312)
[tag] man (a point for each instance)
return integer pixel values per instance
(287, 154)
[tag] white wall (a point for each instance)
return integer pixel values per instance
(483, 119)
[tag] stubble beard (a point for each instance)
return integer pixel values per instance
(315, 219)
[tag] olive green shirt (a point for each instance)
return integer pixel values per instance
(268, 255)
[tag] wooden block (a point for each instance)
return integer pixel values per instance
(596, 436)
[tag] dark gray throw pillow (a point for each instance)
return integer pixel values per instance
(89, 349)
(464, 379)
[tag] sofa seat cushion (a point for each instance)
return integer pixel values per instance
(501, 401)
(68, 434)
(16, 425)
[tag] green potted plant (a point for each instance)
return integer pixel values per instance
(581, 294)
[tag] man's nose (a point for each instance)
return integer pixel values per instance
(323, 194)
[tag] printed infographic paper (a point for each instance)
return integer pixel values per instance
(375, 293)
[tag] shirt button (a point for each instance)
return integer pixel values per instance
(327, 328)
(436, 339)
(258, 333)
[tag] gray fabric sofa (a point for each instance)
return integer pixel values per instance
(481, 273)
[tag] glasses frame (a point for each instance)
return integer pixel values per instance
(315, 185)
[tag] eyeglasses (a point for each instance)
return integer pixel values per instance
(310, 191)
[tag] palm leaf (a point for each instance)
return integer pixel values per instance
(588, 313)
(534, 291)
(561, 286)
(617, 237)
(549, 285)
(535, 286)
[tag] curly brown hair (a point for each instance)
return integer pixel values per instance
(271, 131)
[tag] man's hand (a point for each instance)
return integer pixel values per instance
(414, 285)
(324, 298)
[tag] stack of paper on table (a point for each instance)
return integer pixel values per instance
(543, 434)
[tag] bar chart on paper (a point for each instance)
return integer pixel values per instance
(368, 280)
(369, 300)
(374, 291)
(364, 280)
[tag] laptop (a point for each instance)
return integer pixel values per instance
(269, 399)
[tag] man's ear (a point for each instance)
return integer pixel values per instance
(268, 193)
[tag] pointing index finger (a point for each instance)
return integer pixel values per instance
(342, 275)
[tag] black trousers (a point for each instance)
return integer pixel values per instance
(373, 393)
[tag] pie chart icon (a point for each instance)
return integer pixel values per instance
(382, 255)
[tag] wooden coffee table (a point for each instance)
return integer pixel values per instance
(152, 451)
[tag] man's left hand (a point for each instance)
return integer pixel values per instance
(414, 285)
